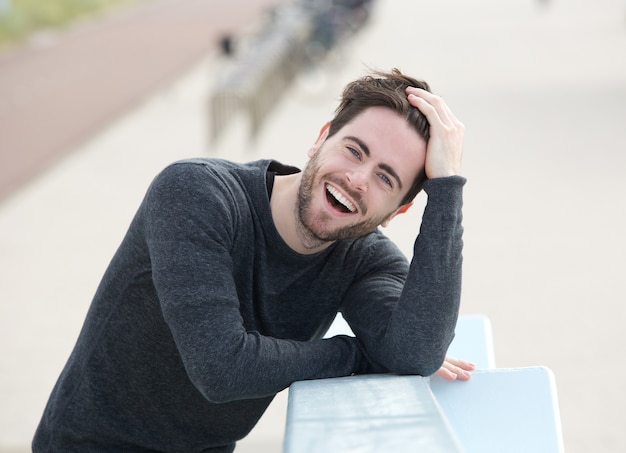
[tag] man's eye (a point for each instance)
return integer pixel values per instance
(356, 152)
(385, 179)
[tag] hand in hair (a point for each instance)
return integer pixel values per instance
(445, 146)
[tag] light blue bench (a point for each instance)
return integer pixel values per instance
(498, 410)
(372, 413)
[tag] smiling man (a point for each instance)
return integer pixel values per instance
(358, 176)
(230, 274)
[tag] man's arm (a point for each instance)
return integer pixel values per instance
(189, 230)
(407, 324)
(409, 330)
(443, 159)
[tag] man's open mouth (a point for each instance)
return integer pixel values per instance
(339, 201)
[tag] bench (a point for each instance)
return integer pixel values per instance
(498, 410)
(258, 78)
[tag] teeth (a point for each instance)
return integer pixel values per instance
(340, 198)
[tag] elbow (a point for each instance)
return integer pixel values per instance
(422, 363)
(420, 369)
(217, 397)
(422, 356)
(215, 388)
(221, 377)
(219, 393)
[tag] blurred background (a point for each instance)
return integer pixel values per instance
(97, 97)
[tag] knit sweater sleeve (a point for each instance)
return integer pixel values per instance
(406, 326)
(189, 231)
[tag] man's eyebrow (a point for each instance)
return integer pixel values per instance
(366, 150)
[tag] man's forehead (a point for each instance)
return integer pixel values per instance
(380, 128)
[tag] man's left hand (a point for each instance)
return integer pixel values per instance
(445, 146)
(454, 368)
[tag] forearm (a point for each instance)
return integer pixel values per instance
(409, 333)
(224, 359)
(262, 366)
(422, 326)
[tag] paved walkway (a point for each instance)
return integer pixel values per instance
(541, 87)
(59, 90)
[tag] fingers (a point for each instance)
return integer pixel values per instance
(454, 368)
(432, 106)
(460, 363)
(445, 146)
(446, 374)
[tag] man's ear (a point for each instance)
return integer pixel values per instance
(323, 135)
(404, 208)
(401, 210)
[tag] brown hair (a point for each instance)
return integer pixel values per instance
(384, 89)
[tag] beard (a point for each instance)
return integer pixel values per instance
(313, 227)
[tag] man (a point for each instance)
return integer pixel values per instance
(230, 274)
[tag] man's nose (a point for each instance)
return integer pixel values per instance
(358, 179)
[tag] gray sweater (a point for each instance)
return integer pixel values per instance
(204, 314)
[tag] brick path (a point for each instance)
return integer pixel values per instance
(58, 93)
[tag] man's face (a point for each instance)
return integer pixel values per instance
(356, 179)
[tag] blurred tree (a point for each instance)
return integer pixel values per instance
(20, 18)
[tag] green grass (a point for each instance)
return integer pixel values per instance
(24, 17)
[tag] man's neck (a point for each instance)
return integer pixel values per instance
(283, 203)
